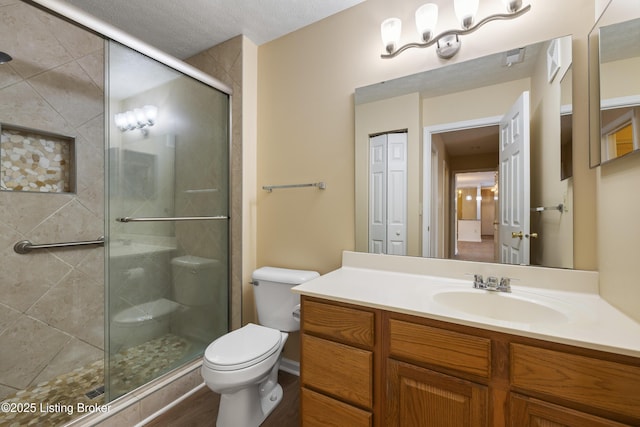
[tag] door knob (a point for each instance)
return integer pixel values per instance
(517, 235)
(532, 236)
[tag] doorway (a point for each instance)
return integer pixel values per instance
(476, 199)
(487, 144)
(462, 192)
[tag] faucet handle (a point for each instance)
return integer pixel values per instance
(505, 284)
(478, 281)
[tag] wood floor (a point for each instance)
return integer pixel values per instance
(476, 251)
(201, 409)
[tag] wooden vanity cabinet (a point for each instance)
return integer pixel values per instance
(340, 364)
(380, 368)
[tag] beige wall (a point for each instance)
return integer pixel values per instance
(471, 104)
(306, 119)
(619, 199)
(301, 140)
(621, 77)
(554, 246)
(306, 125)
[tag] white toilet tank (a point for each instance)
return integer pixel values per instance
(274, 299)
(194, 280)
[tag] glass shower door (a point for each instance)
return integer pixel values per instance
(167, 220)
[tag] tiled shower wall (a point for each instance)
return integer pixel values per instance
(51, 302)
(225, 62)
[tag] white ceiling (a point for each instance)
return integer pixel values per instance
(475, 179)
(184, 28)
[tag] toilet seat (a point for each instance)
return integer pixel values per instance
(242, 348)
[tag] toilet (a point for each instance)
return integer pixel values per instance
(242, 366)
(200, 286)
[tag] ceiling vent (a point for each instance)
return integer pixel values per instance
(513, 56)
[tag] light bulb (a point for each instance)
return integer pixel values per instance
(466, 11)
(121, 121)
(512, 5)
(140, 117)
(390, 31)
(132, 123)
(426, 19)
(151, 113)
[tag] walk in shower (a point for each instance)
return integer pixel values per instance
(104, 145)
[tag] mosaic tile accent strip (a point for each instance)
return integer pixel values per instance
(32, 161)
(61, 399)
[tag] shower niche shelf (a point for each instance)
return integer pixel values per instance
(36, 161)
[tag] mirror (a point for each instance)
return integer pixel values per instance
(566, 125)
(614, 50)
(452, 119)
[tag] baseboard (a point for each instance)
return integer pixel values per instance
(290, 366)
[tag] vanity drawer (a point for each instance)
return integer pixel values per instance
(601, 384)
(338, 370)
(453, 350)
(319, 410)
(344, 324)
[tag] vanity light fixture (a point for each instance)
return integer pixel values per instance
(448, 42)
(138, 118)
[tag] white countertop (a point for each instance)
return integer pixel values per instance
(592, 322)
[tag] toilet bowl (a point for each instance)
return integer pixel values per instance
(141, 323)
(243, 365)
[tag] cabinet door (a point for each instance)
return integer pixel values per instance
(528, 412)
(419, 397)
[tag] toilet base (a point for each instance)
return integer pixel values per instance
(246, 408)
(270, 402)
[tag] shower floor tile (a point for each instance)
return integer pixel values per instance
(63, 398)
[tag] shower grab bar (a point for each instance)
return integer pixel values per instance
(25, 246)
(270, 188)
(180, 218)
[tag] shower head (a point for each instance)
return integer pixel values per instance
(5, 57)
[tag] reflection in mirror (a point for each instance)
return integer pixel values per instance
(614, 87)
(566, 125)
(619, 89)
(454, 118)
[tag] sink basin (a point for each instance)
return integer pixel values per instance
(503, 306)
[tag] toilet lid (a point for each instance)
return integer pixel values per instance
(243, 347)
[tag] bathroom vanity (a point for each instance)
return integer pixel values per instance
(379, 348)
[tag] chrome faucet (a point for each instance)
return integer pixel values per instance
(492, 284)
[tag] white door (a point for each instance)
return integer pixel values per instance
(388, 194)
(378, 194)
(514, 183)
(397, 194)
